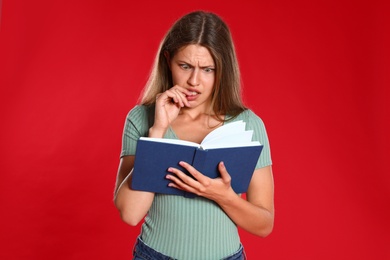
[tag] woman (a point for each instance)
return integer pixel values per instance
(193, 89)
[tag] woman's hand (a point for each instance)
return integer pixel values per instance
(255, 214)
(214, 189)
(168, 105)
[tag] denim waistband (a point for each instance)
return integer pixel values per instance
(143, 251)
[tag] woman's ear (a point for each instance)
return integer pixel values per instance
(168, 58)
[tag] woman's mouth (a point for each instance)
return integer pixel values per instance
(192, 96)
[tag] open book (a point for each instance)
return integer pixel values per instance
(230, 143)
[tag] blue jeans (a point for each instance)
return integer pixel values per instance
(143, 252)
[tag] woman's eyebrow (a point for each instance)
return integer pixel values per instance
(188, 63)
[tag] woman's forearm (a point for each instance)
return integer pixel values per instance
(132, 205)
(252, 218)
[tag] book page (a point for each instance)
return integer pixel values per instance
(225, 130)
(231, 145)
(232, 140)
(170, 141)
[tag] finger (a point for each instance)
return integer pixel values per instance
(182, 176)
(224, 173)
(181, 181)
(180, 97)
(173, 96)
(194, 172)
(202, 181)
(185, 91)
(182, 94)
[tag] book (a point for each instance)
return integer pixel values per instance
(230, 143)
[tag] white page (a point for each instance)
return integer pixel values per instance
(170, 141)
(234, 127)
(227, 145)
(234, 139)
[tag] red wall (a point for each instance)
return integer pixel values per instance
(317, 72)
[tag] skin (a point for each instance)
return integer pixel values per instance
(185, 108)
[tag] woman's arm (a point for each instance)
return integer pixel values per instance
(132, 205)
(255, 215)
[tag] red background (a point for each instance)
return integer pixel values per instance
(317, 72)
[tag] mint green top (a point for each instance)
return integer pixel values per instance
(189, 228)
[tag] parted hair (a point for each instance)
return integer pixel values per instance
(210, 31)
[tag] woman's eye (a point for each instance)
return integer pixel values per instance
(208, 69)
(185, 66)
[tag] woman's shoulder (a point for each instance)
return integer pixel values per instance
(248, 116)
(140, 115)
(251, 119)
(138, 112)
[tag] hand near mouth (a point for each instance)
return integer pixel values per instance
(168, 105)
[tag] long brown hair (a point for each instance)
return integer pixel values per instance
(210, 31)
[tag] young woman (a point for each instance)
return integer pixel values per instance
(193, 89)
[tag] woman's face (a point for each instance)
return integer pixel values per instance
(193, 68)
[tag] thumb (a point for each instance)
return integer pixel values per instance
(224, 173)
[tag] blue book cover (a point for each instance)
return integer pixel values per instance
(230, 144)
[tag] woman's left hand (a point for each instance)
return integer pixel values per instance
(214, 189)
(255, 213)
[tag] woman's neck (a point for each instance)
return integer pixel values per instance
(194, 126)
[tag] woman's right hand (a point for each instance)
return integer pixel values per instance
(168, 105)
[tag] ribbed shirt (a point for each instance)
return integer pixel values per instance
(189, 228)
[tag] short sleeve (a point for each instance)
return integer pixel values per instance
(255, 123)
(136, 125)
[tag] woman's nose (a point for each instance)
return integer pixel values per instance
(193, 80)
